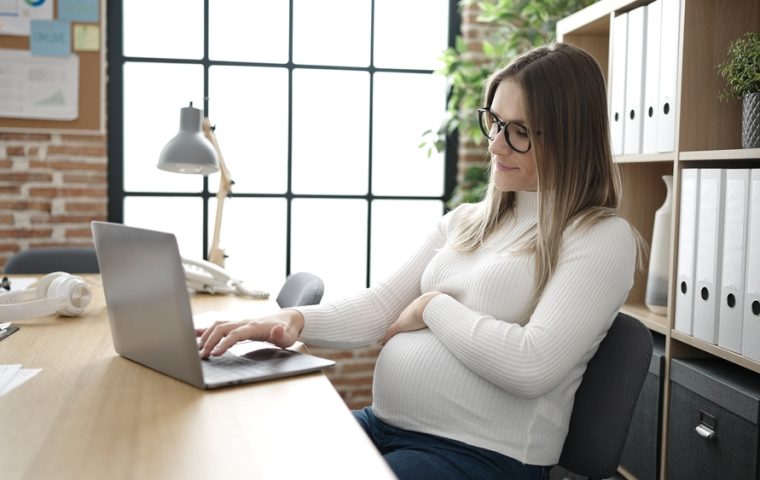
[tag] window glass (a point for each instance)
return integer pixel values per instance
(329, 239)
(154, 93)
(332, 32)
(164, 29)
(249, 107)
(330, 131)
(249, 31)
(410, 34)
(182, 216)
(405, 105)
(399, 228)
(287, 86)
(253, 237)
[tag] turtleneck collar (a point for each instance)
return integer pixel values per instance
(526, 204)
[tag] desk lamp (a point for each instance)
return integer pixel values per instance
(195, 150)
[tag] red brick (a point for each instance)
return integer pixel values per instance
(69, 165)
(345, 380)
(78, 233)
(18, 205)
(96, 177)
(15, 150)
(33, 137)
(6, 219)
(9, 247)
(5, 163)
(78, 150)
(84, 138)
(57, 219)
(25, 177)
(10, 189)
(95, 207)
(25, 233)
(67, 192)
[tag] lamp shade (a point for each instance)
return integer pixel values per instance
(189, 151)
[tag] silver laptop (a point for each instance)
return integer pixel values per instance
(151, 318)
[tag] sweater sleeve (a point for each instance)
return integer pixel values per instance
(591, 281)
(362, 319)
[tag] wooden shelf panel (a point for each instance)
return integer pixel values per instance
(653, 321)
(646, 158)
(735, 154)
(592, 20)
(715, 350)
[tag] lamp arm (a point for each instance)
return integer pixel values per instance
(216, 254)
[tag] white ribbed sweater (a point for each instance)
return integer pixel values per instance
(476, 374)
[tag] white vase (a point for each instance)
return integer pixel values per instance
(656, 297)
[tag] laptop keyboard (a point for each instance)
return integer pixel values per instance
(231, 368)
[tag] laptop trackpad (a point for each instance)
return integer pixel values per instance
(255, 361)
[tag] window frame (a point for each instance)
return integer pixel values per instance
(116, 190)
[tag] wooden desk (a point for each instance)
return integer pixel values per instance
(90, 414)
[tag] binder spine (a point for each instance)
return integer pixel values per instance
(751, 320)
(734, 257)
(709, 254)
(687, 239)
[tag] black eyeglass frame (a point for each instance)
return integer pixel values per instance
(503, 128)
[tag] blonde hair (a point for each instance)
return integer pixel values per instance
(566, 109)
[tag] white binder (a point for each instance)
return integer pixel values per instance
(669, 35)
(734, 255)
(634, 81)
(751, 307)
(707, 268)
(617, 89)
(649, 110)
(687, 241)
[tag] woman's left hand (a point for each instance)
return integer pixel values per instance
(411, 318)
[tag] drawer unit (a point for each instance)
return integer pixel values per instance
(713, 421)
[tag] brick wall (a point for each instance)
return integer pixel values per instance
(473, 33)
(53, 185)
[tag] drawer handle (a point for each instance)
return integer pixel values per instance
(705, 432)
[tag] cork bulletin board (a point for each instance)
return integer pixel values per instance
(90, 114)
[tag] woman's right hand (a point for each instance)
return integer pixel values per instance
(281, 329)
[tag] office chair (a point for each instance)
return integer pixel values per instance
(53, 259)
(605, 400)
(299, 289)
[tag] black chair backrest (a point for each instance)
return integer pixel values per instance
(606, 398)
(53, 259)
(302, 288)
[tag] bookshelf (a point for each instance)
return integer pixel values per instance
(707, 135)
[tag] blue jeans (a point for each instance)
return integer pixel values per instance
(420, 456)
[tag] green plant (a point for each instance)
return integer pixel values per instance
(741, 68)
(514, 27)
(472, 187)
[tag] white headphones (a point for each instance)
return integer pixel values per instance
(56, 293)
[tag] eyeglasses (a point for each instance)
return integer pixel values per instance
(516, 135)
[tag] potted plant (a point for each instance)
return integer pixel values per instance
(513, 27)
(741, 70)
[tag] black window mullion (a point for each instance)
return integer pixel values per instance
(289, 186)
(205, 191)
(115, 47)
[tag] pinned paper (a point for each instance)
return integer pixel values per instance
(86, 38)
(78, 10)
(15, 15)
(50, 38)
